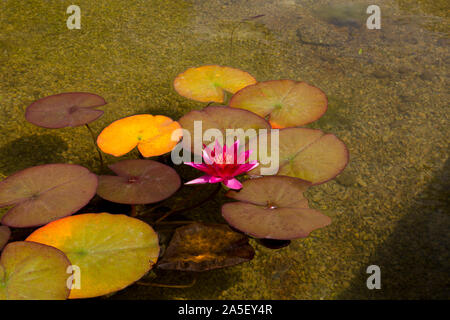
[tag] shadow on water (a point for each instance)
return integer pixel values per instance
(30, 151)
(422, 241)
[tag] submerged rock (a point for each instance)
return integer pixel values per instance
(343, 15)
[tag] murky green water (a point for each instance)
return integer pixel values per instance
(388, 92)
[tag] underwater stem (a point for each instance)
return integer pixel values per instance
(133, 210)
(96, 147)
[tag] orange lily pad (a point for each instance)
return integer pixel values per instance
(273, 208)
(5, 233)
(153, 135)
(112, 251)
(208, 83)
(221, 118)
(138, 182)
(45, 193)
(70, 109)
(308, 154)
(201, 247)
(33, 271)
(286, 103)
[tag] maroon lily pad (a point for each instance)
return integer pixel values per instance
(201, 247)
(221, 118)
(5, 233)
(273, 207)
(70, 109)
(45, 193)
(138, 182)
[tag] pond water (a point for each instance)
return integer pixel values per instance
(388, 101)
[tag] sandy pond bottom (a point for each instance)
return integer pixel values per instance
(388, 101)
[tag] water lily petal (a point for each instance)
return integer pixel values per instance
(246, 167)
(215, 179)
(243, 156)
(233, 184)
(202, 179)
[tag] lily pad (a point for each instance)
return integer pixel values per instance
(221, 118)
(70, 109)
(273, 208)
(286, 103)
(5, 233)
(208, 83)
(33, 271)
(112, 251)
(308, 154)
(153, 135)
(45, 193)
(138, 182)
(201, 247)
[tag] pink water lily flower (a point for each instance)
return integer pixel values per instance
(222, 165)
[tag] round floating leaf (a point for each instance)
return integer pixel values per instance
(287, 103)
(138, 182)
(33, 271)
(221, 118)
(45, 193)
(274, 208)
(307, 154)
(69, 109)
(111, 251)
(201, 247)
(5, 233)
(153, 135)
(207, 83)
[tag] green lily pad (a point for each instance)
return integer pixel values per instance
(111, 250)
(286, 103)
(273, 208)
(201, 247)
(33, 271)
(5, 233)
(138, 182)
(45, 193)
(208, 83)
(307, 154)
(70, 109)
(221, 118)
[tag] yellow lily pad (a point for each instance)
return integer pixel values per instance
(208, 83)
(33, 271)
(111, 251)
(286, 103)
(308, 154)
(153, 135)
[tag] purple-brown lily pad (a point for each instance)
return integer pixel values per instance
(308, 154)
(225, 119)
(202, 247)
(41, 194)
(273, 207)
(287, 103)
(138, 182)
(5, 233)
(33, 271)
(70, 109)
